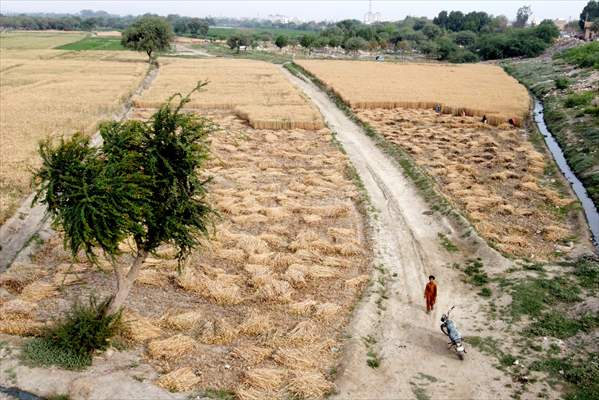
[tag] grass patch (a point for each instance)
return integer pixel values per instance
(531, 298)
(373, 360)
(40, 352)
(557, 325)
(561, 83)
(485, 292)
(447, 243)
(251, 54)
(219, 394)
(582, 375)
(586, 56)
(94, 43)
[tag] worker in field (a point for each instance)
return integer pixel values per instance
(430, 293)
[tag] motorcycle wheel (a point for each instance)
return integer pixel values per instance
(461, 356)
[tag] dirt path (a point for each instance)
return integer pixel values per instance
(22, 233)
(183, 50)
(415, 360)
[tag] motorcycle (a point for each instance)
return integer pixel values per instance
(450, 330)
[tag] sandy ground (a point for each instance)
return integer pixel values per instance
(415, 359)
(188, 51)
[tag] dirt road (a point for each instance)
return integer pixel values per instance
(415, 361)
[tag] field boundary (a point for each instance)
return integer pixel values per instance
(27, 229)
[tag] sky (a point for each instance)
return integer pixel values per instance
(305, 9)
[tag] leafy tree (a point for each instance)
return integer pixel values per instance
(142, 183)
(307, 41)
(237, 40)
(432, 31)
(465, 38)
(441, 19)
(547, 31)
(335, 41)
(445, 47)
(355, 44)
(197, 27)
(589, 12)
(149, 34)
(281, 41)
(522, 16)
(455, 21)
(320, 42)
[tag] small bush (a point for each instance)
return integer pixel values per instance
(476, 275)
(485, 292)
(507, 359)
(583, 56)
(71, 342)
(579, 99)
(561, 83)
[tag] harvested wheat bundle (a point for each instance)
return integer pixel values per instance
(312, 219)
(273, 240)
(296, 275)
(252, 244)
(221, 291)
(283, 260)
(258, 259)
(275, 290)
(326, 311)
(349, 249)
(277, 213)
(309, 385)
(218, 331)
(184, 321)
(235, 256)
(22, 327)
(180, 380)
(138, 329)
(554, 233)
(266, 378)
(19, 275)
(151, 277)
(171, 347)
(256, 324)
(17, 309)
(332, 211)
(250, 393)
(250, 219)
(304, 332)
(191, 280)
(357, 283)
(305, 308)
(306, 357)
(37, 291)
(340, 235)
(251, 354)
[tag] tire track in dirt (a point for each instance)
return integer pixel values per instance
(17, 234)
(415, 361)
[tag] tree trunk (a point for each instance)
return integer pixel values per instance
(149, 52)
(125, 282)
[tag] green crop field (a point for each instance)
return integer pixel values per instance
(94, 43)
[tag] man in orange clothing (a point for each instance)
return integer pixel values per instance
(430, 293)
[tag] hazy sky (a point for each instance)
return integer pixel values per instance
(304, 9)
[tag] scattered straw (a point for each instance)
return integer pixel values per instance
(138, 329)
(250, 354)
(309, 384)
(265, 378)
(37, 291)
(180, 380)
(184, 321)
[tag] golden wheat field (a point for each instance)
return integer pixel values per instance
(260, 309)
(494, 175)
(256, 91)
(469, 89)
(28, 40)
(49, 93)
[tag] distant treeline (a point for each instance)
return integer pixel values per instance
(452, 36)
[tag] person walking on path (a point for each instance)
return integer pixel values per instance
(430, 293)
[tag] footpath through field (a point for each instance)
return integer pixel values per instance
(394, 327)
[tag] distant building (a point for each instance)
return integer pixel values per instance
(560, 23)
(371, 17)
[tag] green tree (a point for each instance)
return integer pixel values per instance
(355, 44)
(547, 31)
(142, 183)
(307, 41)
(522, 16)
(465, 38)
(237, 40)
(149, 34)
(197, 27)
(589, 13)
(281, 41)
(432, 31)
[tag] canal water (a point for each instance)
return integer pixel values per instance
(590, 211)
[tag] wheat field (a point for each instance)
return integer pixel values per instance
(494, 175)
(262, 307)
(29, 40)
(43, 94)
(254, 90)
(469, 89)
